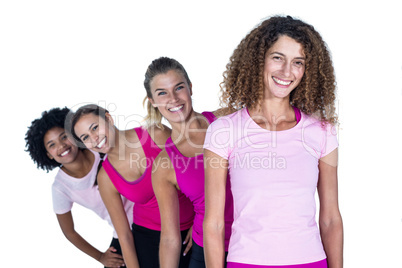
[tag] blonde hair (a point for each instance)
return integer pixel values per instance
(153, 117)
(158, 66)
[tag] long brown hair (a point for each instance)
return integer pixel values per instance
(243, 79)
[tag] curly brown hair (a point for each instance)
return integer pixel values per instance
(243, 79)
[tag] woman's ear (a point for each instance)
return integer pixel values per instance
(152, 102)
(191, 89)
(109, 118)
(49, 155)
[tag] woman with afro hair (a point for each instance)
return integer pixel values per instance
(279, 147)
(49, 147)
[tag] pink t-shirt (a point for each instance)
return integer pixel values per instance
(190, 178)
(146, 211)
(274, 178)
(67, 190)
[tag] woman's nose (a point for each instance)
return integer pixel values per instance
(91, 141)
(61, 145)
(286, 68)
(174, 97)
(95, 138)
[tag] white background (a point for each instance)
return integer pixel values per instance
(66, 53)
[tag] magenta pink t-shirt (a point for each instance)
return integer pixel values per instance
(190, 178)
(146, 211)
(274, 178)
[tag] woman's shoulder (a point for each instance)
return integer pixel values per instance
(159, 135)
(139, 134)
(314, 122)
(221, 112)
(162, 165)
(228, 118)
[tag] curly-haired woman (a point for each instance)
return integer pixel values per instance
(278, 146)
(75, 182)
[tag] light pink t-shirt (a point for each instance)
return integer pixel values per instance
(274, 178)
(67, 190)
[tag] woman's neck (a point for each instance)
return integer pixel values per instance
(81, 166)
(193, 126)
(118, 148)
(274, 114)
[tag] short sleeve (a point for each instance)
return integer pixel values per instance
(217, 138)
(61, 201)
(329, 141)
(318, 139)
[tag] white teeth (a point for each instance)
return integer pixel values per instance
(65, 153)
(101, 143)
(281, 82)
(175, 109)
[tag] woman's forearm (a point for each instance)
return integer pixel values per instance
(77, 240)
(214, 244)
(332, 239)
(169, 252)
(128, 250)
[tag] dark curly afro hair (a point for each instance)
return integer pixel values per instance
(34, 137)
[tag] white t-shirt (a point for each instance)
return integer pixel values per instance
(67, 190)
(274, 178)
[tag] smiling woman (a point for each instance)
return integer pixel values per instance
(49, 147)
(283, 68)
(281, 81)
(92, 119)
(169, 91)
(126, 171)
(59, 147)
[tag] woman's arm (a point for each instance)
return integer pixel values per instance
(330, 221)
(108, 258)
(164, 185)
(216, 169)
(114, 205)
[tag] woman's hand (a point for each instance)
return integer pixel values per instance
(111, 259)
(188, 241)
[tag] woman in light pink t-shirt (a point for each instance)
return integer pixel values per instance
(48, 144)
(279, 147)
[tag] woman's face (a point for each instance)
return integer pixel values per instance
(171, 94)
(59, 147)
(95, 132)
(284, 67)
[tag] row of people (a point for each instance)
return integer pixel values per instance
(272, 146)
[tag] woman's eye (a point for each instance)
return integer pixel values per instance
(83, 139)
(95, 128)
(179, 88)
(64, 137)
(51, 145)
(161, 93)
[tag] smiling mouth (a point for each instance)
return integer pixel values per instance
(66, 152)
(175, 109)
(281, 82)
(101, 143)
